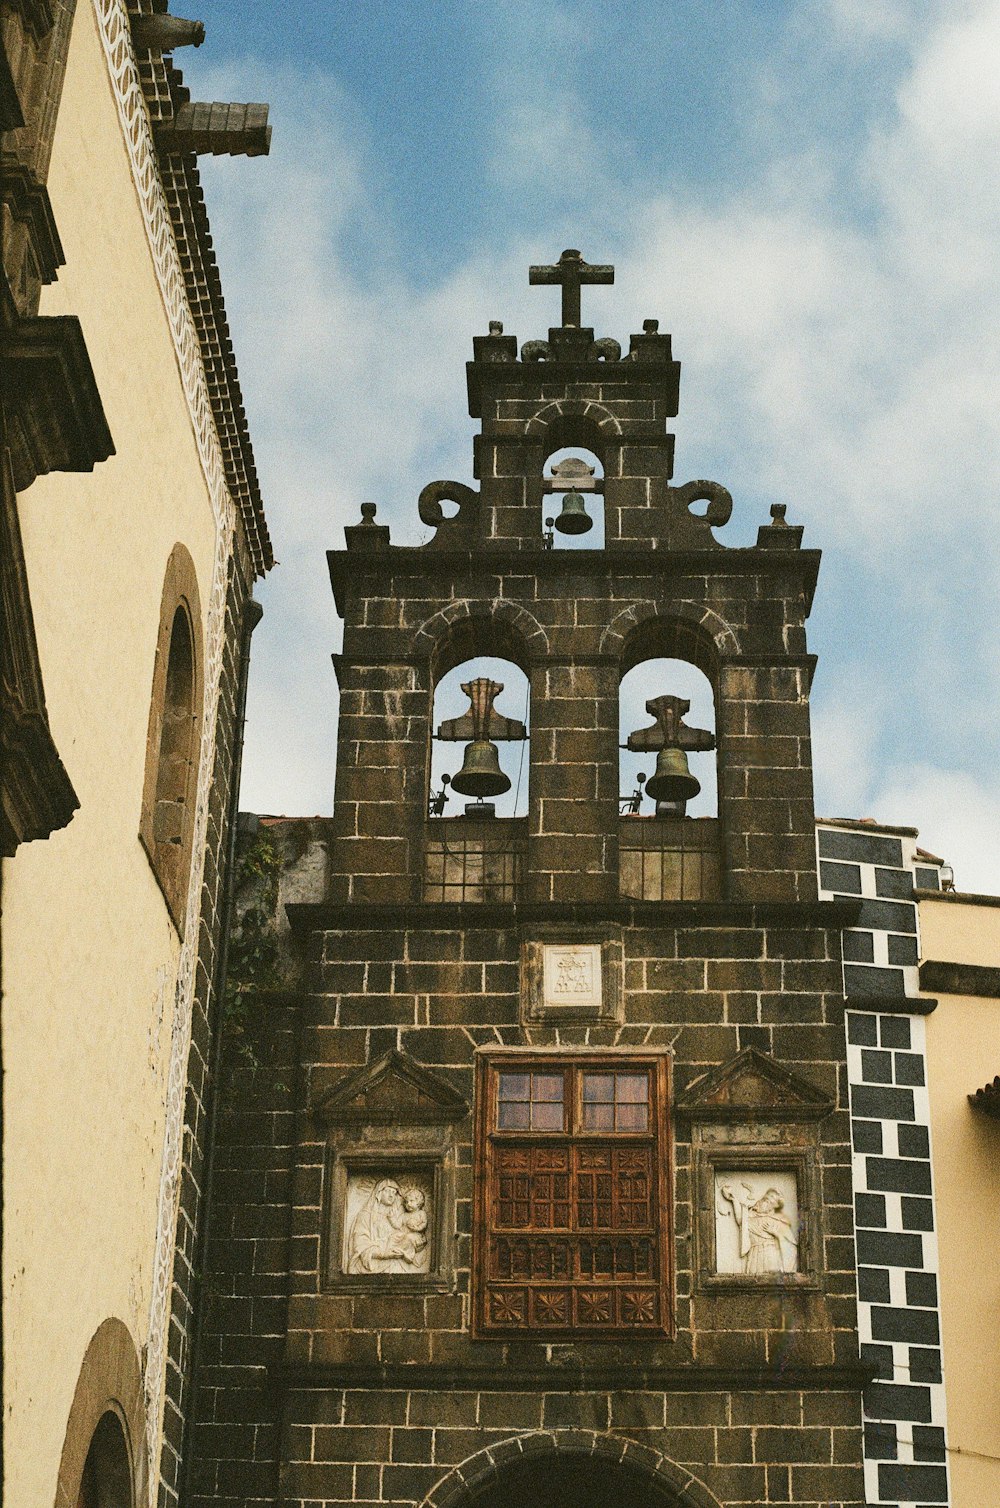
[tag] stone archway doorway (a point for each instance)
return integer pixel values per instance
(571, 1483)
(567, 1468)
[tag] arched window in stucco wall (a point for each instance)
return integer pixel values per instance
(103, 1462)
(107, 1473)
(174, 737)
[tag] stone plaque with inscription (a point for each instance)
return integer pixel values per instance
(572, 975)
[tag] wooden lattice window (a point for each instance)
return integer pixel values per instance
(572, 1214)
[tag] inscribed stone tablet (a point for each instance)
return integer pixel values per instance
(572, 975)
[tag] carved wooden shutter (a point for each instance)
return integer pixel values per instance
(572, 1214)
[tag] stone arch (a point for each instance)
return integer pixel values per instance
(578, 422)
(681, 630)
(466, 628)
(107, 1413)
(667, 1484)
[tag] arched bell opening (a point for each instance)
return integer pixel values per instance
(573, 500)
(478, 792)
(668, 782)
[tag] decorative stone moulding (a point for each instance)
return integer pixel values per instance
(390, 1199)
(572, 976)
(755, 1144)
(55, 416)
(394, 1089)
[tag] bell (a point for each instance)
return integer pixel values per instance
(673, 780)
(574, 518)
(480, 774)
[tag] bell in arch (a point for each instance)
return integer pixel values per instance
(673, 780)
(573, 477)
(574, 518)
(671, 738)
(480, 774)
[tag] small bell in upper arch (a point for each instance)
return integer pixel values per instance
(574, 518)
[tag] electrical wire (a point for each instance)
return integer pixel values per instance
(524, 744)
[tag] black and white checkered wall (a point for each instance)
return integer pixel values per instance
(899, 1320)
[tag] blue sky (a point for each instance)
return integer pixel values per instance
(807, 196)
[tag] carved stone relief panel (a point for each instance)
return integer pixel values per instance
(389, 1176)
(572, 976)
(388, 1222)
(756, 1221)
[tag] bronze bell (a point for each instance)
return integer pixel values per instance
(673, 780)
(480, 774)
(574, 518)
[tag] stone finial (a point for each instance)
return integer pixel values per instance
(496, 326)
(779, 534)
(368, 535)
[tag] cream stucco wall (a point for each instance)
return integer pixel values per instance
(90, 955)
(963, 1053)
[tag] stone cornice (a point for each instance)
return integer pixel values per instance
(54, 412)
(491, 1375)
(366, 916)
(163, 91)
(417, 560)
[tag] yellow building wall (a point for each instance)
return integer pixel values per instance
(90, 954)
(963, 1053)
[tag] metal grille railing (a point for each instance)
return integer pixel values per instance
(474, 861)
(669, 858)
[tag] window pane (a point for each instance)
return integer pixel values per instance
(598, 1117)
(513, 1086)
(632, 1088)
(598, 1088)
(547, 1086)
(546, 1116)
(631, 1117)
(514, 1115)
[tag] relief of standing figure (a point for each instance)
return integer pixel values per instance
(767, 1241)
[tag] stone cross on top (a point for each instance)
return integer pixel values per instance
(571, 271)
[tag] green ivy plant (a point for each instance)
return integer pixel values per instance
(254, 963)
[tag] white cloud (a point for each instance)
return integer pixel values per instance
(845, 365)
(958, 818)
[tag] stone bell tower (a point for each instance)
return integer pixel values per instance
(566, 1195)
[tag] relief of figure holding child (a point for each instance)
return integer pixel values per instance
(389, 1232)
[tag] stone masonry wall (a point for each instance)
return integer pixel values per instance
(381, 1394)
(575, 627)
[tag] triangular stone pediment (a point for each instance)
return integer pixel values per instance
(753, 1084)
(393, 1090)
